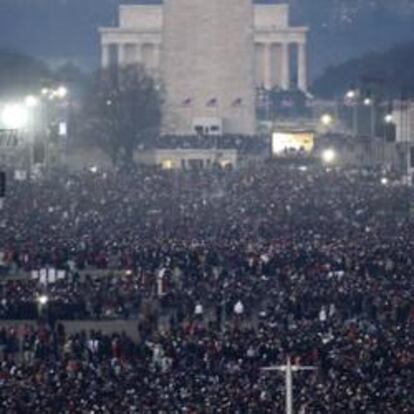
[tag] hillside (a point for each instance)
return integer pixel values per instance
(391, 71)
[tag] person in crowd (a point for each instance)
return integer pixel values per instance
(313, 264)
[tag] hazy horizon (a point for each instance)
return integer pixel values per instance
(62, 30)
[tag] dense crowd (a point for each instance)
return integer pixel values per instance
(246, 266)
(73, 298)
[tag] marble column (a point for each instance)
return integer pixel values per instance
(259, 67)
(267, 67)
(121, 54)
(105, 56)
(157, 56)
(302, 69)
(130, 54)
(285, 67)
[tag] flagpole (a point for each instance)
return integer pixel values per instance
(192, 115)
(217, 117)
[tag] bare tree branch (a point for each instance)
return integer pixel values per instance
(122, 112)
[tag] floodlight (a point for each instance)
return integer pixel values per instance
(15, 116)
(31, 101)
(327, 119)
(329, 156)
(351, 94)
(43, 299)
(61, 92)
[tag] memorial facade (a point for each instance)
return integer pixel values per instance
(210, 55)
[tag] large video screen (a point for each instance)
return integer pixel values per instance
(283, 142)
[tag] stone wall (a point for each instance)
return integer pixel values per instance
(141, 17)
(208, 64)
(268, 16)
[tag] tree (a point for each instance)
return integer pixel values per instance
(72, 76)
(388, 74)
(121, 112)
(20, 74)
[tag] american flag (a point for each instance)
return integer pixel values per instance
(187, 102)
(212, 103)
(237, 102)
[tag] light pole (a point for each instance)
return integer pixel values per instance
(408, 142)
(289, 369)
(329, 156)
(31, 102)
(352, 97)
(404, 136)
(54, 101)
(388, 121)
(16, 117)
(42, 301)
(327, 121)
(371, 103)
